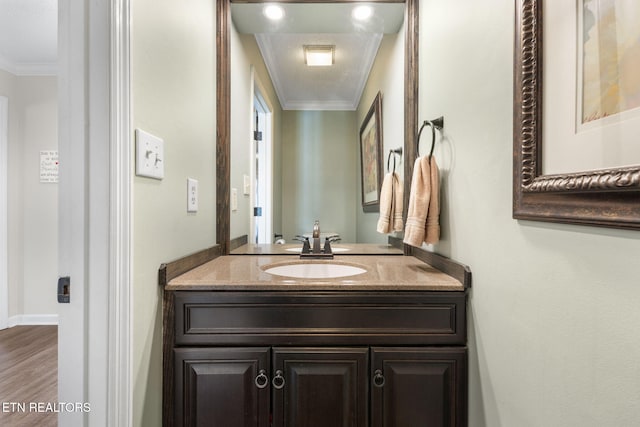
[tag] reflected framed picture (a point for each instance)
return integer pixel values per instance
(371, 156)
(576, 152)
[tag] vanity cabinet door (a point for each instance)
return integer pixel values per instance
(320, 387)
(222, 387)
(413, 387)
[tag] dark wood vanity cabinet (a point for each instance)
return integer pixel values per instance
(315, 359)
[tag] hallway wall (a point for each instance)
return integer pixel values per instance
(553, 310)
(33, 206)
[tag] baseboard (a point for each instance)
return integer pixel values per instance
(33, 319)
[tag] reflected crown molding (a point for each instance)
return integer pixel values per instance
(301, 89)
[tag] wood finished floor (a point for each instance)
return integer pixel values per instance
(28, 373)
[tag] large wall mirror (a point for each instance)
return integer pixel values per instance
(288, 147)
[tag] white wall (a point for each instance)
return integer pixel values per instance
(40, 200)
(33, 206)
(15, 252)
(173, 97)
(387, 75)
(241, 132)
(553, 313)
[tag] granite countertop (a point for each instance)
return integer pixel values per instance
(393, 273)
(338, 249)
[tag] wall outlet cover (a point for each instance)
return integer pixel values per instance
(246, 190)
(192, 195)
(234, 199)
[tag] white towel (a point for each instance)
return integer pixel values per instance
(424, 207)
(391, 195)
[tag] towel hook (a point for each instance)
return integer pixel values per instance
(434, 124)
(397, 151)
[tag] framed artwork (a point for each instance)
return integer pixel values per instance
(371, 156)
(577, 136)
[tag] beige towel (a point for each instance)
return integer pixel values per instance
(391, 195)
(424, 208)
(398, 204)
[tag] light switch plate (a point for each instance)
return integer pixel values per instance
(192, 195)
(149, 155)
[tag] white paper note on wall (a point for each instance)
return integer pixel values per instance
(49, 166)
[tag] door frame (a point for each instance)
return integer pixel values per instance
(259, 94)
(94, 330)
(120, 385)
(4, 212)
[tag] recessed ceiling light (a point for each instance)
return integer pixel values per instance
(273, 11)
(362, 12)
(319, 56)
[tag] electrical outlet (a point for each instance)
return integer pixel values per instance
(149, 155)
(192, 195)
(234, 199)
(246, 187)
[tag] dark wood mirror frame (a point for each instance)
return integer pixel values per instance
(607, 197)
(223, 104)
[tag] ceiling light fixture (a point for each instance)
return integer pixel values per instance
(319, 55)
(362, 12)
(273, 11)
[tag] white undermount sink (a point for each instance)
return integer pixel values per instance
(314, 270)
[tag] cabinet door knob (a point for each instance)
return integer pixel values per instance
(278, 380)
(378, 378)
(262, 380)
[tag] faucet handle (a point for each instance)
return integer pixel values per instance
(327, 247)
(306, 248)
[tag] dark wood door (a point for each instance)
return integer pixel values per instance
(222, 387)
(418, 387)
(320, 387)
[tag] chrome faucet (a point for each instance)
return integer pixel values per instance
(317, 251)
(316, 237)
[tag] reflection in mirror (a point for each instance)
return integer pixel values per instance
(294, 128)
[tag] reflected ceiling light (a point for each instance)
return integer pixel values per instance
(273, 11)
(362, 12)
(319, 56)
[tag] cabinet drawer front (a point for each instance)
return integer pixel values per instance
(319, 318)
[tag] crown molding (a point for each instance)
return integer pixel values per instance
(28, 69)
